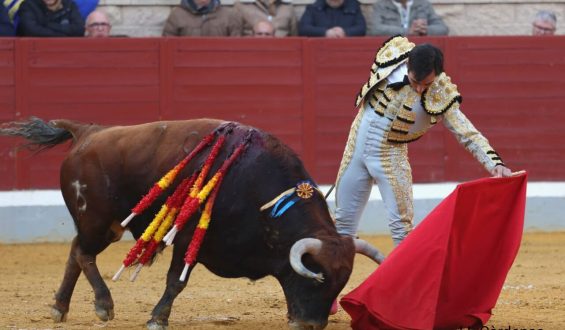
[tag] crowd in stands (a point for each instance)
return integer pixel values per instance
(257, 18)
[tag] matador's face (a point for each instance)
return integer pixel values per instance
(422, 85)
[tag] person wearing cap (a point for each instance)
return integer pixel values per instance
(50, 18)
(97, 25)
(544, 23)
(279, 12)
(407, 93)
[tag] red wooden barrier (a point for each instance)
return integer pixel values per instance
(301, 90)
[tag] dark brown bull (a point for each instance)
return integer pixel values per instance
(109, 168)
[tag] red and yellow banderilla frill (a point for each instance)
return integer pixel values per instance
(197, 193)
(206, 216)
(166, 180)
(145, 247)
(147, 244)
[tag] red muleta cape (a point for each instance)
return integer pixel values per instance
(448, 273)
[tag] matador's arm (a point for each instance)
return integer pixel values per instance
(468, 136)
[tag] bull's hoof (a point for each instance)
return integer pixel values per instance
(155, 325)
(104, 314)
(57, 315)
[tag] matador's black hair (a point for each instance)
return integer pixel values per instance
(425, 59)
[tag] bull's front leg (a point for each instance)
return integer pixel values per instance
(160, 314)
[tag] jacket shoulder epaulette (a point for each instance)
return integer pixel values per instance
(393, 53)
(440, 96)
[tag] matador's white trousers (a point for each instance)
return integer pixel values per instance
(376, 161)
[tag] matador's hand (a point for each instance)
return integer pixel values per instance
(500, 171)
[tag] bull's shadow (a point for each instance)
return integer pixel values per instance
(109, 169)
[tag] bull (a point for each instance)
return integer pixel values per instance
(108, 169)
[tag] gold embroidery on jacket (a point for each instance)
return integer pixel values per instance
(393, 51)
(441, 96)
(389, 57)
(378, 100)
(403, 117)
(467, 135)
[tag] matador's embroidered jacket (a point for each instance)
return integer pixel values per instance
(412, 115)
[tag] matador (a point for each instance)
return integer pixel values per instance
(407, 93)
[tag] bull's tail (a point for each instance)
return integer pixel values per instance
(39, 134)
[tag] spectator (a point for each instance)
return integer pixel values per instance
(332, 19)
(279, 12)
(50, 18)
(544, 23)
(201, 18)
(263, 29)
(98, 25)
(406, 17)
(12, 6)
(85, 7)
(6, 26)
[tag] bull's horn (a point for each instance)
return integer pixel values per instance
(368, 250)
(305, 245)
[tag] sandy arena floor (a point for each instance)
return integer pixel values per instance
(533, 296)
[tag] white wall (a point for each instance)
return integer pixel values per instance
(41, 216)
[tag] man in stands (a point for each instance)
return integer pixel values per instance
(279, 12)
(203, 18)
(263, 29)
(544, 23)
(50, 18)
(6, 26)
(406, 17)
(332, 19)
(98, 25)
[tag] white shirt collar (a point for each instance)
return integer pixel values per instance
(398, 74)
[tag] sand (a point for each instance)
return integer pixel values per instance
(533, 296)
